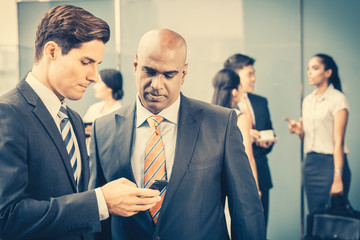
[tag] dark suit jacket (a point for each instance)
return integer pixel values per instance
(210, 162)
(38, 198)
(262, 122)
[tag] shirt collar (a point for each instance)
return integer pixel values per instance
(48, 97)
(327, 92)
(170, 114)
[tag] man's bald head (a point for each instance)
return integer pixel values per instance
(163, 40)
(160, 68)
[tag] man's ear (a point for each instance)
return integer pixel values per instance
(184, 73)
(234, 92)
(135, 63)
(51, 50)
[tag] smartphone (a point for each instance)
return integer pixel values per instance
(159, 184)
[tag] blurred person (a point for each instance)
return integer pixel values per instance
(44, 170)
(322, 127)
(109, 88)
(256, 108)
(195, 146)
(227, 93)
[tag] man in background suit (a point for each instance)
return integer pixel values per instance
(203, 157)
(44, 171)
(260, 120)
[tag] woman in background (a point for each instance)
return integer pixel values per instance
(227, 93)
(110, 89)
(322, 126)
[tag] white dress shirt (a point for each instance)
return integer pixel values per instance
(318, 120)
(53, 104)
(168, 130)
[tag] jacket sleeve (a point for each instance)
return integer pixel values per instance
(247, 219)
(21, 215)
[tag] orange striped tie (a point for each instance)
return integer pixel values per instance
(154, 167)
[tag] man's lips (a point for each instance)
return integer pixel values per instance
(84, 85)
(154, 96)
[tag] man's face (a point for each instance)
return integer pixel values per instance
(247, 78)
(159, 75)
(69, 75)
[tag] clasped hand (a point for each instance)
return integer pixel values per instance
(125, 199)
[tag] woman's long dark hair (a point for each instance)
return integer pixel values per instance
(329, 63)
(224, 82)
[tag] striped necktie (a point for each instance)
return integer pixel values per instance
(154, 166)
(65, 128)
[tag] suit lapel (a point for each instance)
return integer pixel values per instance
(125, 131)
(188, 128)
(41, 112)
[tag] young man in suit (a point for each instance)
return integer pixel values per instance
(260, 120)
(44, 169)
(195, 146)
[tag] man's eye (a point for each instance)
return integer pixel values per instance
(85, 63)
(169, 76)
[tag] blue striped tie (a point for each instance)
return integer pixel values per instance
(65, 128)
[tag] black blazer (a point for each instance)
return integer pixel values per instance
(38, 198)
(210, 162)
(262, 122)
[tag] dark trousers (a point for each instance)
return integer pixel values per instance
(318, 176)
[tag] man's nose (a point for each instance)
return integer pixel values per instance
(93, 74)
(158, 81)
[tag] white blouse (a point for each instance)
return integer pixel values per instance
(95, 111)
(318, 120)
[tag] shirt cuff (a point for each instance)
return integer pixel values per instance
(102, 207)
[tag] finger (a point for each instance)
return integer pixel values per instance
(127, 182)
(147, 192)
(287, 119)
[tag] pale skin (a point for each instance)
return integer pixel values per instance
(319, 77)
(68, 76)
(244, 125)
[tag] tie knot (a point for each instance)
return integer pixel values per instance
(63, 113)
(155, 120)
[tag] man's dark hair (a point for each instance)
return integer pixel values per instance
(238, 61)
(69, 26)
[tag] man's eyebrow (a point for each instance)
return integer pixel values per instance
(154, 70)
(92, 60)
